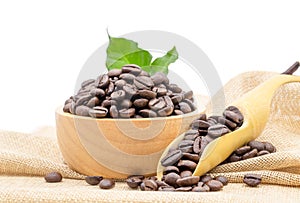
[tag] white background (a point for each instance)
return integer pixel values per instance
(43, 44)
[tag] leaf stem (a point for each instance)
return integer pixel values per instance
(292, 69)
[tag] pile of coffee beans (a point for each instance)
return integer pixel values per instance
(176, 181)
(130, 92)
(203, 131)
(252, 149)
(102, 182)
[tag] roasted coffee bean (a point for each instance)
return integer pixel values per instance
(159, 78)
(269, 147)
(186, 173)
(82, 111)
(204, 143)
(144, 80)
(212, 121)
(190, 103)
(216, 131)
(200, 124)
(102, 81)
(98, 112)
(232, 116)
(197, 145)
(137, 176)
(106, 184)
(118, 95)
(97, 92)
(113, 111)
(193, 157)
(130, 89)
(185, 143)
(110, 88)
(177, 98)
(214, 185)
(178, 112)
(87, 82)
(187, 181)
(72, 107)
(243, 150)
(171, 169)
(171, 158)
(171, 179)
(147, 113)
(53, 177)
(126, 103)
(183, 189)
(83, 99)
(93, 180)
(66, 107)
(252, 180)
(157, 104)
(161, 183)
(184, 107)
(120, 84)
(129, 78)
(188, 95)
(166, 111)
(231, 125)
(234, 158)
(144, 73)
(140, 103)
(114, 72)
(187, 164)
(142, 186)
(203, 188)
(222, 179)
(127, 113)
(263, 152)
(202, 117)
(147, 94)
(166, 189)
(160, 91)
(256, 145)
(132, 69)
(205, 178)
(133, 182)
(238, 113)
(150, 185)
(174, 88)
(250, 154)
(94, 101)
(191, 135)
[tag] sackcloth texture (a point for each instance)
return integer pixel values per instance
(26, 157)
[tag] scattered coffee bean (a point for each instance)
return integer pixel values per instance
(171, 179)
(205, 178)
(214, 185)
(222, 179)
(256, 145)
(53, 177)
(150, 185)
(252, 180)
(93, 180)
(171, 158)
(134, 181)
(106, 184)
(188, 181)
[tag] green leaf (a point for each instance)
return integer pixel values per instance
(153, 69)
(121, 51)
(161, 64)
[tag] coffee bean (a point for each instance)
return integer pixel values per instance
(87, 82)
(82, 111)
(222, 179)
(171, 158)
(147, 113)
(161, 183)
(185, 143)
(129, 78)
(113, 111)
(256, 145)
(132, 69)
(159, 78)
(177, 98)
(188, 95)
(130, 89)
(234, 158)
(191, 135)
(166, 111)
(190, 103)
(166, 189)
(98, 112)
(97, 92)
(214, 185)
(150, 185)
(157, 104)
(174, 88)
(126, 103)
(187, 164)
(118, 95)
(66, 107)
(186, 173)
(232, 116)
(94, 101)
(160, 91)
(93, 180)
(110, 88)
(140, 103)
(102, 81)
(178, 112)
(203, 188)
(106, 184)
(120, 84)
(114, 73)
(237, 112)
(216, 131)
(147, 94)
(205, 178)
(127, 113)
(192, 157)
(144, 80)
(243, 150)
(200, 124)
(263, 152)
(231, 125)
(250, 154)
(171, 179)
(187, 181)
(53, 177)
(197, 145)
(184, 107)
(252, 180)
(83, 99)
(183, 189)
(133, 182)
(269, 147)
(171, 169)
(142, 186)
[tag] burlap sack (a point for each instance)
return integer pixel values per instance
(37, 154)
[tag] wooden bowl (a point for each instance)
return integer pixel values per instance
(116, 148)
